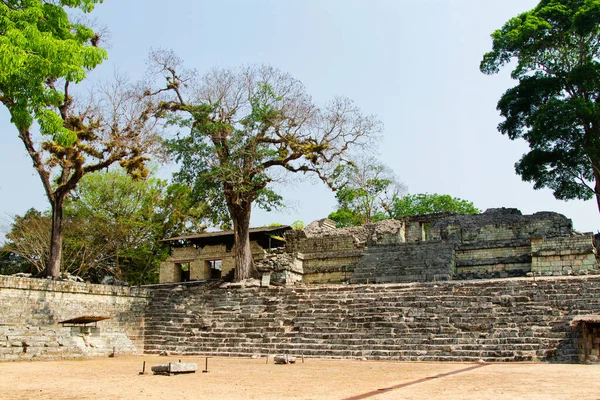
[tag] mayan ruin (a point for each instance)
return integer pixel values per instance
(309, 199)
(432, 288)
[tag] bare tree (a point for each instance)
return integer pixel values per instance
(247, 124)
(29, 238)
(367, 191)
(113, 125)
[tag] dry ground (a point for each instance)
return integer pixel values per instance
(230, 378)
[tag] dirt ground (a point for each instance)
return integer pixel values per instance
(232, 378)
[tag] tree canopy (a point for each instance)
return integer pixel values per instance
(425, 203)
(245, 127)
(38, 46)
(42, 56)
(556, 105)
(366, 192)
(114, 226)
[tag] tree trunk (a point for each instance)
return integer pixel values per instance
(244, 263)
(56, 239)
(596, 169)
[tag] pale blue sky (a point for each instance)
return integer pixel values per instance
(412, 63)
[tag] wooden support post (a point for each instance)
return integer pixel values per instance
(584, 336)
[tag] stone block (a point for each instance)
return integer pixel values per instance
(174, 368)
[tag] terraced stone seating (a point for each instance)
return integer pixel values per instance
(492, 321)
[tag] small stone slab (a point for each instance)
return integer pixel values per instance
(266, 279)
(174, 368)
(284, 360)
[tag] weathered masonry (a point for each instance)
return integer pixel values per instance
(43, 319)
(552, 319)
(209, 255)
(424, 307)
(502, 320)
(498, 243)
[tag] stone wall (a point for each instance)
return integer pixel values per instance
(497, 258)
(500, 224)
(563, 255)
(326, 259)
(495, 244)
(31, 311)
(406, 262)
(198, 257)
(519, 319)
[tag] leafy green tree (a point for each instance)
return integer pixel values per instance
(122, 221)
(42, 55)
(425, 203)
(114, 226)
(556, 105)
(11, 263)
(246, 127)
(366, 194)
(27, 247)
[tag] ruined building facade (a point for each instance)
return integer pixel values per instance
(495, 244)
(435, 317)
(498, 243)
(210, 255)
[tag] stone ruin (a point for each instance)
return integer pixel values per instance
(430, 310)
(498, 243)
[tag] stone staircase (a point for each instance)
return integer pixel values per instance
(492, 321)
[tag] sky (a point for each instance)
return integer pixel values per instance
(413, 64)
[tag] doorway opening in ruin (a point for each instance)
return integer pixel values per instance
(216, 268)
(589, 339)
(184, 272)
(425, 228)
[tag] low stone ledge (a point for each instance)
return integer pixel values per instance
(330, 254)
(491, 262)
(11, 282)
(493, 244)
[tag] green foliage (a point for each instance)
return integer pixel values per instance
(233, 164)
(127, 219)
(366, 194)
(297, 225)
(344, 217)
(244, 129)
(556, 105)
(27, 247)
(114, 226)
(10, 263)
(424, 203)
(38, 45)
(43, 54)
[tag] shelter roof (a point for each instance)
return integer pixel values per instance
(84, 319)
(263, 229)
(264, 235)
(590, 318)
